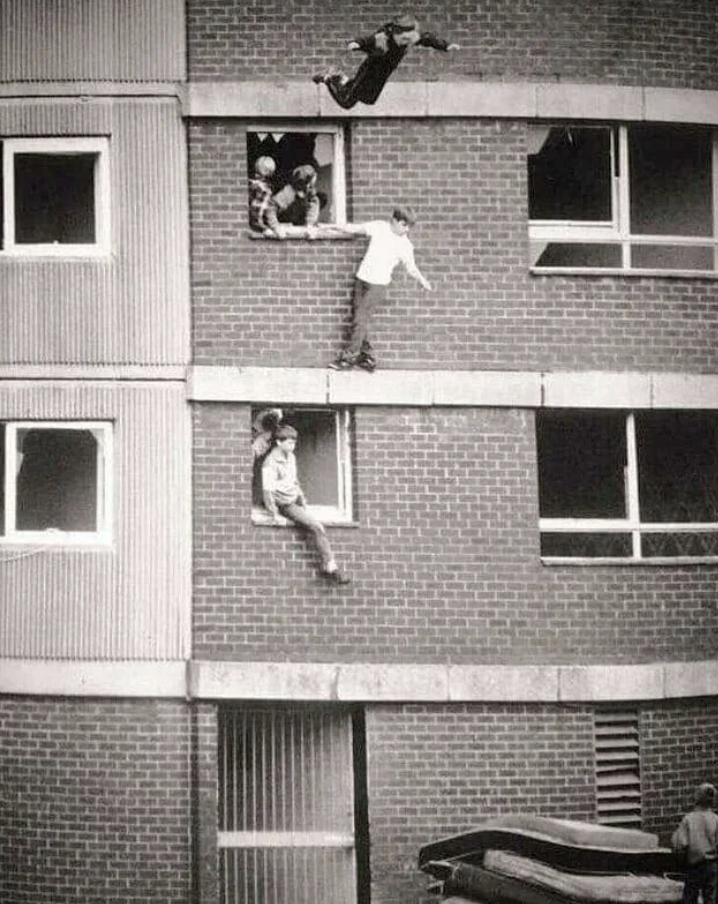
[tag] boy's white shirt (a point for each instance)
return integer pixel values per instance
(386, 249)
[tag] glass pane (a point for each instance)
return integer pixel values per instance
(673, 257)
(57, 480)
(317, 458)
(54, 198)
(679, 544)
(670, 179)
(570, 176)
(581, 460)
(296, 875)
(574, 254)
(586, 546)
(677, 466)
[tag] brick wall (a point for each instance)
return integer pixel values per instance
(94, 801)
(436, 771)
(444, 558)
(649, 42)
(288, 303)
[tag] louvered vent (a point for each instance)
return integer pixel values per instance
(618, 775)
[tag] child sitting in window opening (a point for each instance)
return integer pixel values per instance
(283, 496)
(297, 204)
(260, 193)
(389, 244)
(385, 49)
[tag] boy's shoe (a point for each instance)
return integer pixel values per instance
(335, 577)
(321, 77)
(367, 362)
(342, 364)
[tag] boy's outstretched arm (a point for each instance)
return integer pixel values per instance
(346, 228)
(416, 274)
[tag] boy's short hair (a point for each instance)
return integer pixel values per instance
(265, 166)
(286, 432)
(706, 795)
(404, 214)
(303, 176)
(405, 22)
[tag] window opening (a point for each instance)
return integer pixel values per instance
(322, 149)
(634, 486)
(323, 462)
(636, 197)
(55, 196)
(287, 804)
(55, 484)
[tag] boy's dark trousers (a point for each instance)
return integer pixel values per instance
(701, 877)
(366, 297)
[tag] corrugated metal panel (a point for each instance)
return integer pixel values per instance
(130, 601)
(131, 307)
(87, 40)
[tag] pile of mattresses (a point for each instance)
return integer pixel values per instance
(541, 860)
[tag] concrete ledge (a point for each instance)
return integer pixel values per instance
(93, 679)
(476, 388)
(421, 683)
(464, 98)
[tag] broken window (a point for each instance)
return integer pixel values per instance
(55, 196)
(642, 485)
(636, 197)
(56, 482)
(319, 147)
(323, 462)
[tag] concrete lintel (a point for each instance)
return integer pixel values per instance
(691, 679)
(487, 388)
(263, 680)
(681, 105)
(596, 390)
(608, 683)
(570, 101)
(384, 387)
(466, 98)
(381, 682)
(257, 384)
(92, 678)
(685, 391)
(497, 683)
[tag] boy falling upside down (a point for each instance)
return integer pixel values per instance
(389, 245)
(384, 50)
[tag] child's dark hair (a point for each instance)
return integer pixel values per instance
(404, 214)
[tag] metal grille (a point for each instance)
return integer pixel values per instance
(286, 814)
(618, 780)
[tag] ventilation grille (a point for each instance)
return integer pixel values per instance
(618, 776)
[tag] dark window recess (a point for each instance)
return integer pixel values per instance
(57, 480)
(54, 199)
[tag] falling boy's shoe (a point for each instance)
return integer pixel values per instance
(343, 363)
(335, 577)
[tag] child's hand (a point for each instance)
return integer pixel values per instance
(453, 47)
(353, 45)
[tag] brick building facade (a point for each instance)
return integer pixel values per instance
(524, 492)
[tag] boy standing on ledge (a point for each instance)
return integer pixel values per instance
(389, 245)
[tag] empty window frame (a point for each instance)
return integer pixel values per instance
(639, 486)
(56, 484)
(55, 196)
(291, 146)
(291, 783)
(323, 453)
(639, 197)
(618, 768)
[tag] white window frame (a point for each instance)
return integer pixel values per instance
(631, 524)
(104, 491)
(339, 186)
(56, 147)
(616, 232)
(342, 513)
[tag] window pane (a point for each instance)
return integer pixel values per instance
(581, 460)
(574, 254)
(570, 175)
(677, 466)
(57, 480)
(679, 544)
(317, 458)
(586, 546)
(673, 257)
(54, 198)
(670, 180)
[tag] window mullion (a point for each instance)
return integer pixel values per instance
(11, 471)
(634, 514)
(623, 196)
